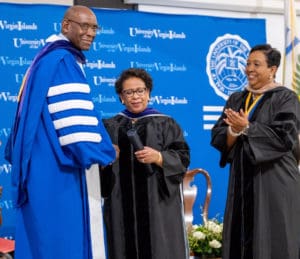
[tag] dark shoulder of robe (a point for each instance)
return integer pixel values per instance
(262, 215)
(143, 211)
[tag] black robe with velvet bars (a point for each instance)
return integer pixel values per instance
(262, 216)
(143, 211)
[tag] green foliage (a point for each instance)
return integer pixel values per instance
(206, 239)
(296, 77)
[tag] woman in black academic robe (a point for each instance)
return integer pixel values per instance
(143, 206)
(260, 142)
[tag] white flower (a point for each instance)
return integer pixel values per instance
(199, 235)
(194, 227)
(215, 244)
(214, 227)
(206, 239)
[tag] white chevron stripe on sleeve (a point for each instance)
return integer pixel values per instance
(80, 137)
(68, 88)
(70, 104)
(75, 120)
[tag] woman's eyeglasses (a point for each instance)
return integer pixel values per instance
(130, 92)
(85, 26)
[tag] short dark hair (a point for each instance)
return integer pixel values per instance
(273, 55)
(133, 72)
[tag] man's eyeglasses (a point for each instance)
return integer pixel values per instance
(85, 26)
(130, 92)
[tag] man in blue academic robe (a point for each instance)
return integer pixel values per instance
(57, 136)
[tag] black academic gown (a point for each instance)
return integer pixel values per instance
(143, 209)
(262, 216)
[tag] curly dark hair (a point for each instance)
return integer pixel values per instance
(133, 72)
(273, 55)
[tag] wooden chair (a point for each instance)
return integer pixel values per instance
(190, 194)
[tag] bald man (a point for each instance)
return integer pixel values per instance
(56, 139)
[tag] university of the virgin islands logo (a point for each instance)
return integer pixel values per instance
(225, 64)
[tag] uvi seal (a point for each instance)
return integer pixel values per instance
(225, 64)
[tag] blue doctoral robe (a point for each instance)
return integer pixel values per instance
(56, 136)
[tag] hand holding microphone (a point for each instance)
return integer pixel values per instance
(145, 155)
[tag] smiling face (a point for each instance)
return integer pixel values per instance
(257, 70)
(135, 95)
(79, 26)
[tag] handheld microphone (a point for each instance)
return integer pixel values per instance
(137, 145)
(135, 140)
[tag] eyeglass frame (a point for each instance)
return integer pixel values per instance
(132, 92)
(85, 26)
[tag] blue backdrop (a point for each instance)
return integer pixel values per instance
(195, 61)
